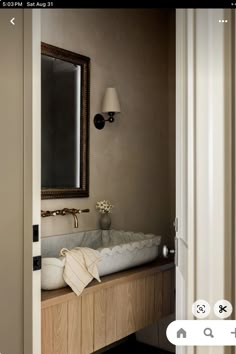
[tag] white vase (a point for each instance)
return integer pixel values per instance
(105, 221)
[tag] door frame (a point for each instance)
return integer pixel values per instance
(204, 115)
(32, 179)
(185, 177)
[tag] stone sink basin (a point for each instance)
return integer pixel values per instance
(119, 250)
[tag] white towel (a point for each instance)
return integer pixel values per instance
(80, 267)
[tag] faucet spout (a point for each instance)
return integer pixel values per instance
(76, 223)
(64, 212)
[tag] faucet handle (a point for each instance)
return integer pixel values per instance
(84, 210)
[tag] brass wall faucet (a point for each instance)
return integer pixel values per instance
(65, 211)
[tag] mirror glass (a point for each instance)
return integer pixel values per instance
(64, 123)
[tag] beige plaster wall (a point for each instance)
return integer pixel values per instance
(131, 160)
(12, 210)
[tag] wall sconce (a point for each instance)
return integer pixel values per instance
(110, 105)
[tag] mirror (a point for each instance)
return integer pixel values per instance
(64, 123)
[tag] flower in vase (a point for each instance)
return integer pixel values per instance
(104, 206)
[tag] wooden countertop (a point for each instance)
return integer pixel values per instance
(53, 297)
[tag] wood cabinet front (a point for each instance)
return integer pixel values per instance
(106, 312)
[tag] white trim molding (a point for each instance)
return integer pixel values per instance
(32, 179)
(207, 85)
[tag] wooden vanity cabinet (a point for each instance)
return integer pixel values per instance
(108, 311)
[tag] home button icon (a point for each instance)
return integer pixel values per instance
(181, 333)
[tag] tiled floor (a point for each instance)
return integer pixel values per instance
(131, 346)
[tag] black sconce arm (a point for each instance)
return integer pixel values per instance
(99, 120)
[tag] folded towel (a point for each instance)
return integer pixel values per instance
(80, 267)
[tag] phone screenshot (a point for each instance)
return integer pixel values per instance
(117, 179)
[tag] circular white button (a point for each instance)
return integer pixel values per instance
(223, 308)
(201, 308)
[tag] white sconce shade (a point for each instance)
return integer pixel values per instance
(110, 101)
(110, 105)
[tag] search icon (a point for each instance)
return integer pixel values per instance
(208, 332)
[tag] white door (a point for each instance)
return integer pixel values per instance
(19, 187)
(203, 161)
(32, 179)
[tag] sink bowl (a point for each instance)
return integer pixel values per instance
(120, 250)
